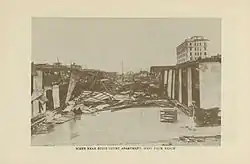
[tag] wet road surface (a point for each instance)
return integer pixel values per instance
(129, 126)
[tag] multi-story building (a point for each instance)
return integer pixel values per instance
(192, 49)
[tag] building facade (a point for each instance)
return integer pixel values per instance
(192, 49)
(52, 81)
(38, 96)
(198, 82)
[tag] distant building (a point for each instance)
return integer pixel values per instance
(192, 49)
(75, 66)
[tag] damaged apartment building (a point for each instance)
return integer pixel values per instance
(195, 80)
(49, 84)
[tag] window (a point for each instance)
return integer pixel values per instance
(190, 48)
(190, 44)
(205, 48)
(205, 53)
(190, 53)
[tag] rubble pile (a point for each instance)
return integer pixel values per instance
(105, 93)
(90, 102)
(42, 128)
(199, 139)
(210, 117)
(194, 140)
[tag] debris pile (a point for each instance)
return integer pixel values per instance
(90, 102)
(94, 91)
(100, 91)
(199, 139)
(168, 115)
(207, 117)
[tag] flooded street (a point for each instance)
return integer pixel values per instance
(128, 126)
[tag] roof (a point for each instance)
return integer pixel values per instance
(186, 64)
(193, 38)
(159, 68)
(190, 63)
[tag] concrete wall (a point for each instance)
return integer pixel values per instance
(166, 82)
(73, 79)
(169, 82)
(210, 84)
(195, 85)
(189, 86)
(199, 82)
(55, 93)
(173, 85)
(176, 87)
(184, 86)
(36, 109)
(180, 88)
(38, 81)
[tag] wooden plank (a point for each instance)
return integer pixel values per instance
(38, 121)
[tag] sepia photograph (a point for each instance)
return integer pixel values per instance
(125, 81)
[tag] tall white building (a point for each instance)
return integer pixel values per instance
(192, 49)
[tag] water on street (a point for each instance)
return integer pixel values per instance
(129, 126)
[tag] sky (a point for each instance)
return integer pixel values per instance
(104, 43)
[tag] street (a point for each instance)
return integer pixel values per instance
(130, 126)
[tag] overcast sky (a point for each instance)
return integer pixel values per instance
(101, 43)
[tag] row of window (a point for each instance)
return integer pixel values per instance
(195, 58)
(197, 53)
(191, 48)
(190, 54)
(205, 48)
(198, 44)
(190, 58)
